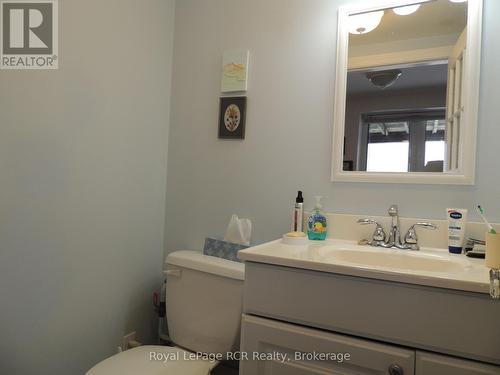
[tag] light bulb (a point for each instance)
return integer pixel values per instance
(365, 22)
(406, 10)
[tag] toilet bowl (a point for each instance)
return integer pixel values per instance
(204, 305)
(152, 360)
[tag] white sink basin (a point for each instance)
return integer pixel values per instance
(399, 259)
(432, 267)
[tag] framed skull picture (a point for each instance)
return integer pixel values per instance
(232, 117)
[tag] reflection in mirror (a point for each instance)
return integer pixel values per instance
(404, 93)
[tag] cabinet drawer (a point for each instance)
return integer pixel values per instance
(435, 364)
(291, 349)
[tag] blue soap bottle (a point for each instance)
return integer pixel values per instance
(317, 224)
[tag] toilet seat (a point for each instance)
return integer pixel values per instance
(152, 360)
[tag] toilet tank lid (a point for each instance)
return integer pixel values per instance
(200, 262)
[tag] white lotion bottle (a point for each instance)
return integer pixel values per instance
(457, 222)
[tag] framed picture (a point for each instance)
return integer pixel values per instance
(234, 71)
(348, 165)
(232, 117)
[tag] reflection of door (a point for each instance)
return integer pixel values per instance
(402, 141)
(454, 101)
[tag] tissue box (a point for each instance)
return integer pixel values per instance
(222, 249)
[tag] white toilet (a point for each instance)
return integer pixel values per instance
(203, 300)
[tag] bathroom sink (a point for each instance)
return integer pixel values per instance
(431, 267)
(399, 259)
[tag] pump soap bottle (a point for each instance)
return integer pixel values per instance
(317, 224)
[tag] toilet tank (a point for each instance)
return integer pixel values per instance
(204, 301)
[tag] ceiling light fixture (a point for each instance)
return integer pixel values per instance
(406, 10)
(458, 1)
(384, 78)
(365, 22)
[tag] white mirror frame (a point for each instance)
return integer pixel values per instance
(465, 174)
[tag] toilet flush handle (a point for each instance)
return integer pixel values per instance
(172, 272)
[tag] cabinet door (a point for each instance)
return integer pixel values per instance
(435, 364)
(288, 349)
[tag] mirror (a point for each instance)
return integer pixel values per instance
(407, 92)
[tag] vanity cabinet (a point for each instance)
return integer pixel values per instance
(415, 329)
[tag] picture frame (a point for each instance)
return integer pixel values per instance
(234, 71)
(348, 165)
(232, 115)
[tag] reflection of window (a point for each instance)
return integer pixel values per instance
(387, 157)
(434, 151)
(403, 141)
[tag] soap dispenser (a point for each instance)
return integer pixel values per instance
(317, 224)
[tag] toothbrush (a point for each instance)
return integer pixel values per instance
(480, 211)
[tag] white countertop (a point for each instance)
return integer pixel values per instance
(430, 267)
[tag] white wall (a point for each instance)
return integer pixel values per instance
(289, 123)
(82, 188)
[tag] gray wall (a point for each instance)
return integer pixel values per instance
(289, 123)
(82, 188)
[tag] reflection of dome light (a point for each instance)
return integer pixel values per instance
(365, 22)
(458, 1)
(404, 11)
(385, 78)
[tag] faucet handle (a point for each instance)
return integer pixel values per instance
(411, 236)
(379, 234)
(471, 243)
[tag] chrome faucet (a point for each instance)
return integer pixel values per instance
(393, 240)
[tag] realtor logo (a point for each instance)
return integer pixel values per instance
(29, 34)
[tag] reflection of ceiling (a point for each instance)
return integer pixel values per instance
(435, 18)
(412, 78)
(385, 128)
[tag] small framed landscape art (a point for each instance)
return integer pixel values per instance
(234, 71)
(232, 117)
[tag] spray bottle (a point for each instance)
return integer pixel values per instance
(298, 213)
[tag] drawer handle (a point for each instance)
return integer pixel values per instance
(396, 370)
